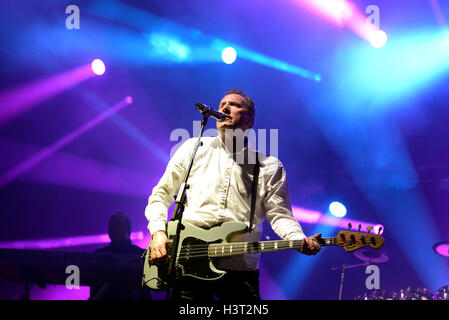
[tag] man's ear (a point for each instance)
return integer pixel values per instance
(251, 121)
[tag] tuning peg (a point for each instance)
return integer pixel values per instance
(349, 226)
(380, 229)
(369, 228)
(360, 227)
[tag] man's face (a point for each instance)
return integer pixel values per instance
(237, 117)
(118, 231)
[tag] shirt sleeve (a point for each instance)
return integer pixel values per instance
(278, 207)
(163, 193)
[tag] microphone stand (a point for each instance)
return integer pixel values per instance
(178, 212)
(342, 274)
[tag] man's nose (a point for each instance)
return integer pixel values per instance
(225, 108)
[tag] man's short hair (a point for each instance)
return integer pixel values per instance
(248, 102)
(119, 218)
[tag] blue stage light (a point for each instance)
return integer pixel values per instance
(337, 209)
(229, 55)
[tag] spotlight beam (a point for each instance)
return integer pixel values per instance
(19, 100)
(438, 13)
(316, 217)
(174, 43)
(29, 163)
(343, 13)
(64, 169)
(128, 128)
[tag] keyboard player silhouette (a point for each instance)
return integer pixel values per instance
(111, 286)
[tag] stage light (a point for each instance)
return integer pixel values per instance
(378, 229)
(15, 101)
(169, 48)
(337, 11)
(98, 67)
(442, 248)
(337, 209)
(129, 99)
(229, 55)
(378, 38)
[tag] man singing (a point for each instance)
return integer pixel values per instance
(221, 185)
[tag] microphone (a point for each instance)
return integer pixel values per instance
(208, 111)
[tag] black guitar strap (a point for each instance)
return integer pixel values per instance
(254, 191)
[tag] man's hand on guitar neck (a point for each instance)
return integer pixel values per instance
(310, 246)
(159, 245)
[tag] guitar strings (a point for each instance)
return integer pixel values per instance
(238, 248)
(265, 243)
(250, 247)
(258, 245)
(333, 240)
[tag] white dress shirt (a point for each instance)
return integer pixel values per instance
(220, 191)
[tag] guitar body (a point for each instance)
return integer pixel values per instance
(193, 240)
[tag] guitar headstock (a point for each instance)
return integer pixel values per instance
(352, 240)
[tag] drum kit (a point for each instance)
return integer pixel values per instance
(410, 293)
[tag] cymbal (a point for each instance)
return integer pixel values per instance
(442, 248)
(371, 255)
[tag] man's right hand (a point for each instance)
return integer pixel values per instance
(159, 245)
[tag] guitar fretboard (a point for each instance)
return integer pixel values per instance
(236, 248)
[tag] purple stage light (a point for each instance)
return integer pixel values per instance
(336, 11)
(442, 249)
(316, 217)
(305, 215)
(59, 292)
(345, 13)
(26, 165)
(438, 13)
(16, 101)
(129, 100)
(53, 243)
(98, 67)
(144, 241)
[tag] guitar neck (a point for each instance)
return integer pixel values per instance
(236, 248)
